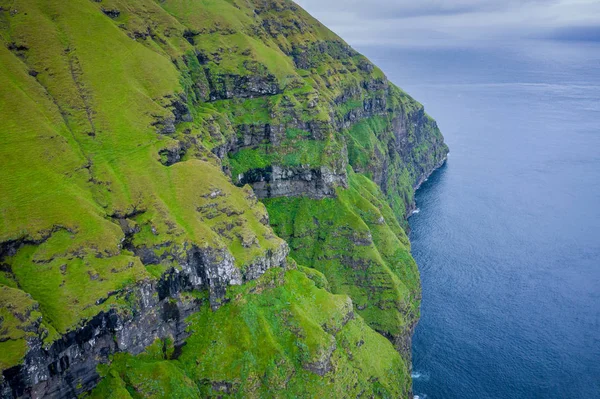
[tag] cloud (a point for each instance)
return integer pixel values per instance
(451, 22)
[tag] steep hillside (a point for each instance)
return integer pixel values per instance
(139, 140)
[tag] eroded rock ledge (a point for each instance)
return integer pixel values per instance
(279, 181)
(158, 310)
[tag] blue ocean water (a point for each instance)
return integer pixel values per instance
(508, 234)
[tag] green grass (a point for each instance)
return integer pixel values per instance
(294, 134)
(78, 147)
(356, 241)
(246, 111)
(364, 144)
(291, 152)
(80, 95)
(260, 345)
(19, 320)
(350, 105)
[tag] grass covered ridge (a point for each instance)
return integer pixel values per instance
(80, 159)
(356, 241)
(120, 124)
(267, 342)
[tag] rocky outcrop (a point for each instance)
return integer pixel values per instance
(173, 154)
(157, 310)
(268, 96)
(177, 104)
(407, 140)
(257, 83)
(68, 367)
(111, 13)
(322, 364)
(278, 181)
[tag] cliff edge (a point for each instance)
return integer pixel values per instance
(202, 199)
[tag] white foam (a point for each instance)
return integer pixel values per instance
(415, 375)
(416, 211)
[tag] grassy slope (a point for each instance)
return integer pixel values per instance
(261, 344)
(356, 242)
(78, 148)
(20, 319)
(80, 92)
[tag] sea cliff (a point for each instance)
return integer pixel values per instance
(202, 199)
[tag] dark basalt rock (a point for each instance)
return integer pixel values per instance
(189, 36)
(280, 181)
(170, 156)
(17, 47)
(180, 109)
(256, 175)
(228, 86)
(111, 13)
(67, 368)
(179, 113)
(164, 125)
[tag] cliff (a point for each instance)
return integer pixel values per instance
(202, 198)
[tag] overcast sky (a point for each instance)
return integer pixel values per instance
(456, 22)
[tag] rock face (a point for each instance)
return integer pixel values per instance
(132, 215)
(67, 368)
(223, 87)
(363, 121)
(278, 181)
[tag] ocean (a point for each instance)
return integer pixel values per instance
(507, 236)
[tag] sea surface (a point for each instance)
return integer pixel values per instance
(507, 236)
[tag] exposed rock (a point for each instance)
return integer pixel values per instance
(234, 86)
(322, 364)
(164, 125)
(260, 265)
(189, 36)
(177, 104)
(279, 181)
(67, 368)
(172, 155)
(180, 109)
(111, 13)
(17, 47)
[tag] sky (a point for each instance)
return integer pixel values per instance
(456, 22)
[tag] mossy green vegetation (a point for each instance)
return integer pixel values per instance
(363, 141)
(20, 319)
(80, 158)
(125, 127)
(273, 339)
(356, 241)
